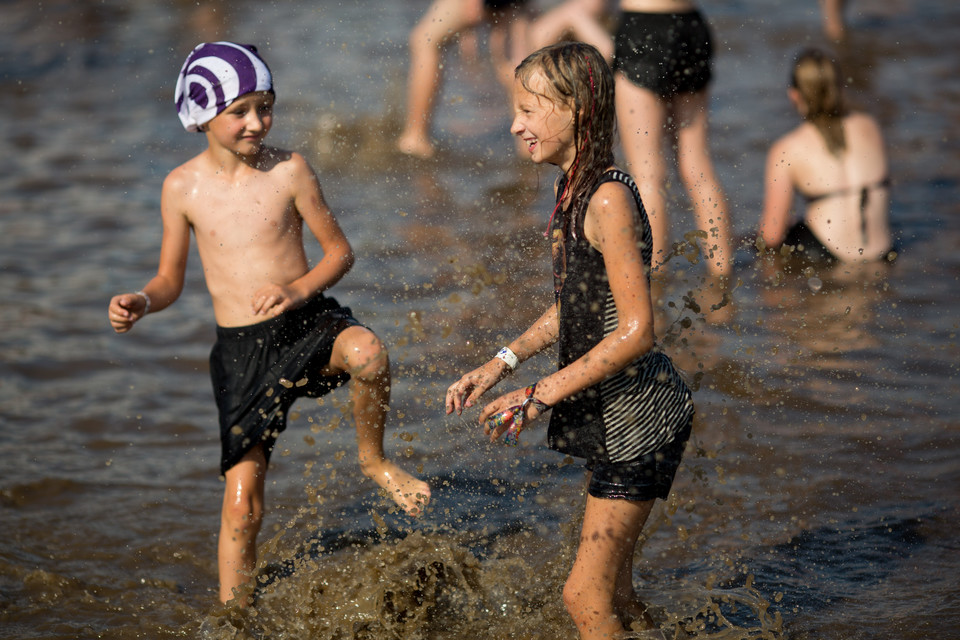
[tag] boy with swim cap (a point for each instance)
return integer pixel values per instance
(278, 336)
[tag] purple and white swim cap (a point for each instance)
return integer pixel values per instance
(213, 76)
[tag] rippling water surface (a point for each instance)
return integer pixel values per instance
(818, 498)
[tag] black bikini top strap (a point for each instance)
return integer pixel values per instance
(865, 199)
(883, 183)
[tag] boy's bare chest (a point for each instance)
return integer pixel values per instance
(240, 216)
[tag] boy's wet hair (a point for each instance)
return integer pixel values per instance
(817, 78)
(577, 76)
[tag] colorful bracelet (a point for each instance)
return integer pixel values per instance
(531, 399)
(509, 357)
(542, 407)
(516, 415)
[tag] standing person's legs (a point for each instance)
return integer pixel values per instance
(710, 207)
(641, 117)
(358, 351)
(442, 21)
(240, 519)
(509, 43)
(580, 19)
(833, 19)
(597, 585)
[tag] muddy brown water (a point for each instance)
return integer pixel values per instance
(818, 498)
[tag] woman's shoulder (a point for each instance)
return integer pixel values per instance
(802, 144)
(801, 135)
(786, 145)
(862, 122)
(861, 117)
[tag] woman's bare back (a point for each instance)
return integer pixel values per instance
(848, 194)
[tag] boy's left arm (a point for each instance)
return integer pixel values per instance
(338, 256)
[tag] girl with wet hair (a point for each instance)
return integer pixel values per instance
(836, 161)
(615, 400)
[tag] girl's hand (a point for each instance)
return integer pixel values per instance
(274, 299)
(125, 309)
(511, 413)
(465, 391)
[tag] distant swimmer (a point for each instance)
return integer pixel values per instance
(279, 337)
(837, 163)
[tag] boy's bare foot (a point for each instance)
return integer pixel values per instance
(633, 616)
(647, 634)
(410, 493)
(415, 145)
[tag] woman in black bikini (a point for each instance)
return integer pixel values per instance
(836, 161)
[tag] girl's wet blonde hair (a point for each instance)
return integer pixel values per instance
(578, 77)
(817, 79)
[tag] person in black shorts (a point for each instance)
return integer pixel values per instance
(662, 60)
(259, 370)
(668, 53)
(615, 400)
(278, 336)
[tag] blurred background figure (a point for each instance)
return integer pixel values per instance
(834, 21)
(663, 61)
(514, 33)
(837, 162)
(444, 21)
(581, 20)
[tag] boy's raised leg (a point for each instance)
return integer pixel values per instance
(359, 351)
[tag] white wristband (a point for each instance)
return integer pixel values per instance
(509, 357)
(146, 299)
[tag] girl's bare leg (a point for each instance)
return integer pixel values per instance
(626, 603)
(597, 585)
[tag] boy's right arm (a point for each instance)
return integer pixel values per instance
(165, 287)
